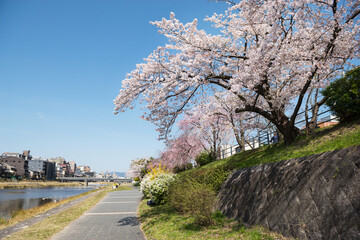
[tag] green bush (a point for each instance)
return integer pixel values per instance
(188, 196)
(344, 96)
(213, 177)
(204, 158)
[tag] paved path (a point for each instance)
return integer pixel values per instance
(114, 217)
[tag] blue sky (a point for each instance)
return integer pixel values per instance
(61, 66)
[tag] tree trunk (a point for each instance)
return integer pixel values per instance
(285, 126)
(310, 126)
(279, 119)
(289, 132)
(242, 134)
(240, 138)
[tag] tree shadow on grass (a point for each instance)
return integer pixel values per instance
(191, 227)
(159, 212)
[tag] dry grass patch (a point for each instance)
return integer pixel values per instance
(37, 184)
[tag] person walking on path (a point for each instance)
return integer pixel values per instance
(114, 217)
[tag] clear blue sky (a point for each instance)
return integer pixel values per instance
(61, 66)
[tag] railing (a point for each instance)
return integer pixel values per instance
(263, 137)
(94, 179)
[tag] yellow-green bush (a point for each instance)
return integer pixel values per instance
(191, 197)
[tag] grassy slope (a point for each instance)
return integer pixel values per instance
(161, 222)
(324, 140)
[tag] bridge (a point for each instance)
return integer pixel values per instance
(94, 179)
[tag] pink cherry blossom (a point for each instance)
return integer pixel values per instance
(268, 56)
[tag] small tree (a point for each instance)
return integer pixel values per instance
(138, 168)
(181, 151)
(204, 158)
(188, 196)
(203, 122)
(343, 96)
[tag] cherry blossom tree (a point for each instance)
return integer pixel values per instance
(269, 55)
(181, 150)
(138, 167)
(205, 122)
(240, 124)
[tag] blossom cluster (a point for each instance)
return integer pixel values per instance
(269, 55)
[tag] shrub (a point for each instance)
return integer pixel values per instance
(216, 177)
(191, 197)
(213, 177)
(156, 184)
(344, 96)
(145, 186)
(204, 158)
(159, 187)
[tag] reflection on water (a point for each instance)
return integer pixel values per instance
(12, 200)
(10, 206)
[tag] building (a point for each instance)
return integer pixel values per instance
(87, 169)
(25, 155)
(19, 164)
(327, 121)
(41, 169)
(72, 169)
(50, 170)
(36, 169)
(57, 160)
(84, 171)
(7, 171)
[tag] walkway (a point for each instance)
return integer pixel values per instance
(114, 217)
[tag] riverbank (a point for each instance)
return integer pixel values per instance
(53, 223)
(37, 184)
(22, 215)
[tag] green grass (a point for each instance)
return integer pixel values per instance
(323, 140)
(162, 222)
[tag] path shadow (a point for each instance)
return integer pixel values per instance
(128, 221)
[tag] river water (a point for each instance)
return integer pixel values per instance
(12, 200)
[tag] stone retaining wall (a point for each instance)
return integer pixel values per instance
(314, 197)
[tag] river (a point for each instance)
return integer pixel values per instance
(12, 200)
